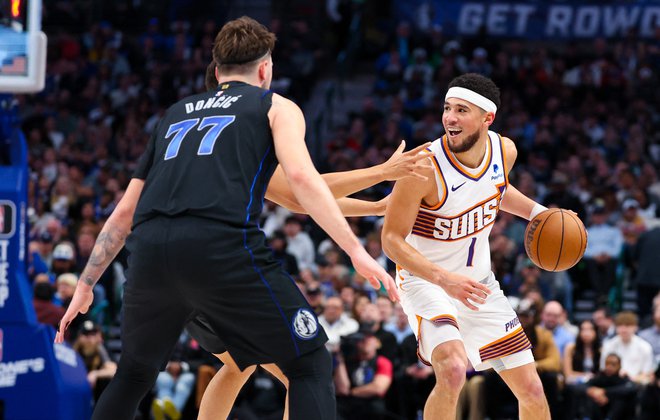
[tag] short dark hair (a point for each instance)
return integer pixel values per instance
(240, 43)
(210, 80)
(43, 291)
(480, 84)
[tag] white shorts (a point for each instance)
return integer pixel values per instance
(492, 336)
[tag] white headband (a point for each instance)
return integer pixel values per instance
(472, 97)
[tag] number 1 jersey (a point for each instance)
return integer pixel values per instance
(454, 233)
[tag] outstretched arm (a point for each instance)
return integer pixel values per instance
(342, 184)
(108, 244)
(288, 128)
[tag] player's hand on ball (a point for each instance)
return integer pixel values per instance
(374, 272)
(466, 290)
(412, 163)
(80, 303)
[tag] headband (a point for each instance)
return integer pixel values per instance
(472, 97)
(249, 59)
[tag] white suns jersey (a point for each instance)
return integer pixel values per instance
(454, 233)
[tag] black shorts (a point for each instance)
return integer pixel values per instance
(200, 329)
(179, 266)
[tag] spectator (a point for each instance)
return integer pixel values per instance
(602, 317)
(100, 368)
(550, 319)
(315, 297)
(560, 196)
(650, 400)
(602, 253)
(611, 393)
(64, 259)
(363, 380)
(580, 364)
(175, 384)
(347, 294)
(47, 312)
(278, 244)
(336, 323)
(635, 353)
(647, 280)
(66, 286)
(85, 243)
(399, 326)
(299, 245)
(375, 249)
(386, 309)
(371, 318)
(414, 380)
(652, 333)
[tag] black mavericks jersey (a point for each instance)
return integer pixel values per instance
(211, 156)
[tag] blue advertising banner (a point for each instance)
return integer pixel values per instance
(535, 19)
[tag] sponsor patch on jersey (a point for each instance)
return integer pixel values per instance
(305, 325)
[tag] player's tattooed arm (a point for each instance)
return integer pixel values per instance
(108, 244)
(113, 235)
(110, 241)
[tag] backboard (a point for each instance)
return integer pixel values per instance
(22, 47)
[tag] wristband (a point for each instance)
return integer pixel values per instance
(538, 208)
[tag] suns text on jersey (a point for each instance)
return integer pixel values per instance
(468, 222)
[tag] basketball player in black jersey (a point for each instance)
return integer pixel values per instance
(196, 244)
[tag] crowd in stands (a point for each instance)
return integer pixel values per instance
(586, 121)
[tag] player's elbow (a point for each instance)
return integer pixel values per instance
(389, 242)
(297, 176)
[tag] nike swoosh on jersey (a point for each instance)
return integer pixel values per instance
(454, 188)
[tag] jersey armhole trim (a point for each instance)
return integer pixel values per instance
(440, 179)
(506, 169)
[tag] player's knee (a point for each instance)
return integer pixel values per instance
(532, 391)
(449, 367)
(317, 363)
(134, 371)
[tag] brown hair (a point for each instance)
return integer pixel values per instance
(210, 80)
(626, 318)
(239, 43)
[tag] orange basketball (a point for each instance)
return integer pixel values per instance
(555, 239)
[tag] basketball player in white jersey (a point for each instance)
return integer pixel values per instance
(437, 233)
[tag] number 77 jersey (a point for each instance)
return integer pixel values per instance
(211, 156)
(454, 233)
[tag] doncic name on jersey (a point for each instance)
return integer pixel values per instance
(219, 100)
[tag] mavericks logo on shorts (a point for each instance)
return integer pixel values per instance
(305, 324)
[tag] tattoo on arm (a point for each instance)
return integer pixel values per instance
(108, 244)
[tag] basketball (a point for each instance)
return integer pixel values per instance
(555, 239)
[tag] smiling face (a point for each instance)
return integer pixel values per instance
(464, 123)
